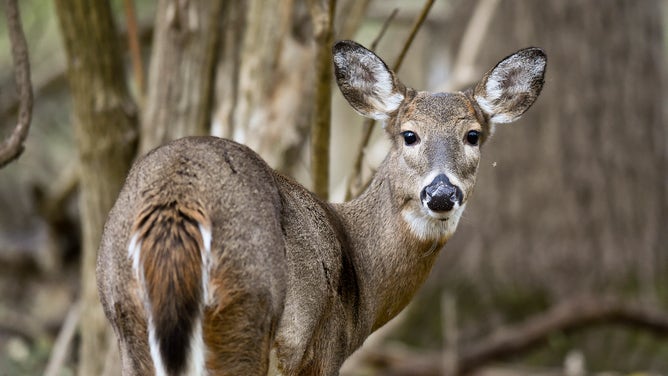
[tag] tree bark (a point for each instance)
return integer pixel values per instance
(265, 80)
(182, 71)
(322, 13)
(105, 124)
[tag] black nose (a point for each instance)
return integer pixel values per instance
(441, 195)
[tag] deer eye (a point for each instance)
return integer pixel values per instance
(410, 138)
(473, 137)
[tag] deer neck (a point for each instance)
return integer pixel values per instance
(391, 262)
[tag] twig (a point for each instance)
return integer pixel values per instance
(135, 49)
(12, 147)
(356, 177)
(63, 341)
(462, 71)
(322, 13)
(383, 29)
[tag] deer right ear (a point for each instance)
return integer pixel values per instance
(512, 86)
(365, 81)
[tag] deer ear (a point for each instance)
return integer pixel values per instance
(512, 86)
(366, 82)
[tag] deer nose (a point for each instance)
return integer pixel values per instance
(441, 195)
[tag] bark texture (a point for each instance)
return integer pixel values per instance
(182, 71)
(265, 79)
(105, 128)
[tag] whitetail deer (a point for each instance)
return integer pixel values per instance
(212, 263)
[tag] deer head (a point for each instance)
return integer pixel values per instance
(436, 137)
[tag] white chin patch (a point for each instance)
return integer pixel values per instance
(429, 226)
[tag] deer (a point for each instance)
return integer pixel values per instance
(212, 263)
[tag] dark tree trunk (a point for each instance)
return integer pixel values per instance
(105, 127)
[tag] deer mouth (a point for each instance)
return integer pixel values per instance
(428, 225)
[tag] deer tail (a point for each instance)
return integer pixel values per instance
(170, 249)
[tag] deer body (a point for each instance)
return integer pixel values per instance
(211, 263)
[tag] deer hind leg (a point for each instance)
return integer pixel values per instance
(238, 332)
(245, 303)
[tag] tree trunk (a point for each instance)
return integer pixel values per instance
(105, 127)
(265, 80)
(182, 71)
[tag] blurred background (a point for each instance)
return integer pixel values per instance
(559, 266)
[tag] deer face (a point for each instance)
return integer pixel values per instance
(436, 137)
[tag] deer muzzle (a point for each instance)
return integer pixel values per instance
(441, 195)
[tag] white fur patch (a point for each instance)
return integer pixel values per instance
(155, 348)
(134, 250)
(197, 358)
(426, 227)
(206, 264)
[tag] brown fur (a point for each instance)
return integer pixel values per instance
(292, 275)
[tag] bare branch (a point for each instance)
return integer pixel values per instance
(12, 147)
(383, 29)
(569, 315)
(322, 13)
(416, 27)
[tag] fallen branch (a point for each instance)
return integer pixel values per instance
(12, 147)
(574, 314)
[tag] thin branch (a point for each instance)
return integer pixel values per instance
(63, 342)
(356, 178)
(135, 49)
(416, 27)
(322, 14)
(12, 147)
(383, 29)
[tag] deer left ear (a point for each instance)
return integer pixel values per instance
(365, 81)
(512, 86)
